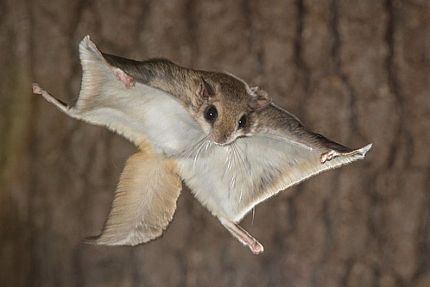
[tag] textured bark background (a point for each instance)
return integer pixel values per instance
(356, 71)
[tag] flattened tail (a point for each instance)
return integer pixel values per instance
(113, 241)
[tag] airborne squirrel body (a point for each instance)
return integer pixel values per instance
(233, 159)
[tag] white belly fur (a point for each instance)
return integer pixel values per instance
(171, 129)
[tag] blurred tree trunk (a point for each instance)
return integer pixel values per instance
(356, 71)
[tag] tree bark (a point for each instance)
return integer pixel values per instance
(355, 71)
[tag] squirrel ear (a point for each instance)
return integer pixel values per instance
(259, 99)
(205, 89)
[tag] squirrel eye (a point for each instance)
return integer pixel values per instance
(242, 122)
(211, 114)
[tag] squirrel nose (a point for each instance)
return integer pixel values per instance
(219, 139)
(220, 142)
(223, 139)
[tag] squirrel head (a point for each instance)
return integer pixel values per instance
(225, 106)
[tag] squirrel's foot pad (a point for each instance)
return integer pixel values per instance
(37, 89)
(128, 80)
(328, 156)
(256, 247)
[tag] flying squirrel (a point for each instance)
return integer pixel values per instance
(226, 140)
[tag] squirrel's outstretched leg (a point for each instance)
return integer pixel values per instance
(243, 236)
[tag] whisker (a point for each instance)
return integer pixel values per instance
(242, 165)
(245, 163)
(202, 145)
(208, 145)
(229, 162)
(239, 165)
(193, 148)
(229, 159)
